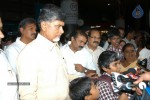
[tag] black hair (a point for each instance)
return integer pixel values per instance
(113, 32)
(50, 12)
(122, 41)
(104, 38)
(85, 28)
(148, 42)
(106, 58)
(120, 28)
(92, 29)
(79, 88)
(141, 44)
(23, 23)
(26, 21)
(129, 30)
(127, 45)
(77, 33)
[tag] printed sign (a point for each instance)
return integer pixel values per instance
(70, 7)
(138, 12)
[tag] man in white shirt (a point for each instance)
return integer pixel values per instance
(41, 64)
(94, 38)
(130, 37)
(76, 55)
(27, 28)
(8, 81)
(144, 51)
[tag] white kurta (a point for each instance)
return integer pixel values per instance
(41, 64)
(82, 57)
(144, 53)
(8, 81)
(13, 50)
(95, 55)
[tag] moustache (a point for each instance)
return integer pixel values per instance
(34, 34)
(80, 47)
(96, 42)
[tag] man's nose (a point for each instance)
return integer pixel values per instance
(61, 30)
(1, 35)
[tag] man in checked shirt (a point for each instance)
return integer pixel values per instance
(108, 62)
(114, 39)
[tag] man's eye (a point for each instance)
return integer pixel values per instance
(31, 28)
(57, 26)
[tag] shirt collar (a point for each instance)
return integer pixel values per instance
(86, 46)
(106, 74)
(20, 42)
(46, 43)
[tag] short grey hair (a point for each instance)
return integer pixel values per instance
(50, 12)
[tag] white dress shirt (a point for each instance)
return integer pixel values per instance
(41, 64)
(84, 58)
(145, 53)
(95, 55)
(132, 42)
(79, 57)
(12, 52)
(8, 81)
(68, 55)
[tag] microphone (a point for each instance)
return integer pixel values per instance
(130, 70)
(124, 83)
(131, 73)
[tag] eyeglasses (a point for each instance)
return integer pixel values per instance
(95, 37)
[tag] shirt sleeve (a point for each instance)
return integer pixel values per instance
(27, 71)
(8, 82)
(12, 55)
(105, 91)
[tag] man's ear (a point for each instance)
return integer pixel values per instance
(21, 30)
(87, 97)
(43, 26)
(108, 39)
(105, 69)
(72, 38)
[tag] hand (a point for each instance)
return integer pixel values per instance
(79, 68)
(138, 91)
(123, 96)
(90, 72)
(143, 77)
(92, 75)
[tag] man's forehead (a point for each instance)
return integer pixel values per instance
(57, 22)
(115, 37)
(30, 25)
(1, 25)
(80, 36)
